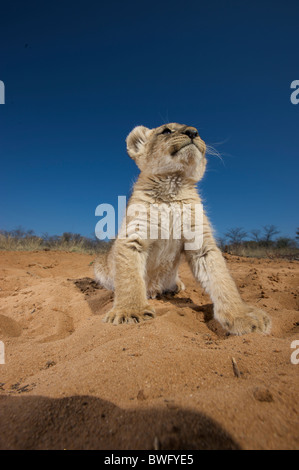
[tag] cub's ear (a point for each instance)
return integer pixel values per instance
(136, 141)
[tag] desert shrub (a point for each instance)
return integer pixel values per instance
(19, 239)
(262, 244)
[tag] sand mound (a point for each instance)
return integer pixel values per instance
(71, 381)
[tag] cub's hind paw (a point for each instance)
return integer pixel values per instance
(180, 286)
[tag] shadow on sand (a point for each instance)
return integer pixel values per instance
(86, 422)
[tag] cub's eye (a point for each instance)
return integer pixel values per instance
(166, 131)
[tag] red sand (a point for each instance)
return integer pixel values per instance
(72, 382)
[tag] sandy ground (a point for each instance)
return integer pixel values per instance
(70, 381)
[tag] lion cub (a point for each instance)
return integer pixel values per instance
(171, 159)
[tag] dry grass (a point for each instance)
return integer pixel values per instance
(20, 240)
(10, 242)
(264, 252)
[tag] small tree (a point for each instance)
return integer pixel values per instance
(236, 235)
(256, 235)
(269, 232)
(66, 237)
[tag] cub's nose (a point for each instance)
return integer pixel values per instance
(191, 132)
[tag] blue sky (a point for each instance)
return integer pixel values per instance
(80, 75)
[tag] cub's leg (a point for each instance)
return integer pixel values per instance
(130, 302)
(102, 271)
(209, 267)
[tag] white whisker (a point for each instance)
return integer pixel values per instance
(211, 151)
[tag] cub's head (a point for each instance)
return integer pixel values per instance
(171, 148)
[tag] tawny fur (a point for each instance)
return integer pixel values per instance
(171, 159)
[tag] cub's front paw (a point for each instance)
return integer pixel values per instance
(247, 320)
(119, 315)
